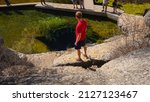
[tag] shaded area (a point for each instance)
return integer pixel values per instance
(10, 58)
(6, 10)
(18, 74)
(63, 38)
(59, 39)
(87, 64)
(14, 67)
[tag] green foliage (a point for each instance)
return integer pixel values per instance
(49, 25)
(103, 29)
(125, 1)
(29, 45)
(21, 28)
(17, 29)
(131, 8)
(101, 1)
(28, 42)
(26, 26)
(137, 9)
(58, 32)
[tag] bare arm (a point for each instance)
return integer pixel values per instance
(78, 38)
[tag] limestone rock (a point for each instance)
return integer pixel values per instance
(147, 18)
(42, 60)
(69, 75)
(16, 74)
(134, 68)
(12, 57)
(131, 24)
(101, 52)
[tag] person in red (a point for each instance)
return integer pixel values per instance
(81, 28)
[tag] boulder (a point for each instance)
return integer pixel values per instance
(131, 24)
(147, 18)
(131, 69)
(11, 58)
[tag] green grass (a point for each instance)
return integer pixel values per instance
(101, 1)
(131, 8)
(21, 28)
(103, 29)
(137, 9)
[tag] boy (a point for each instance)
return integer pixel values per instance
(81, 28)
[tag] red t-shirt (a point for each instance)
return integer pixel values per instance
(81, 28)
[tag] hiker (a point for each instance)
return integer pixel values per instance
(43, 2)
(75, 5)
(81, 28)
(105, 4)
(115, 5)
(81, 4)
(7, 2)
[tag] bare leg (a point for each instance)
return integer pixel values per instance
(79, 54)
(80, 2)
(83, 4)
(74, 5)
(116, 9)
(103, 7)
(106, 8)
(113, 9)
(85, 51)
(44, 2)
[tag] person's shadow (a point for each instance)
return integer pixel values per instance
(87, 64)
